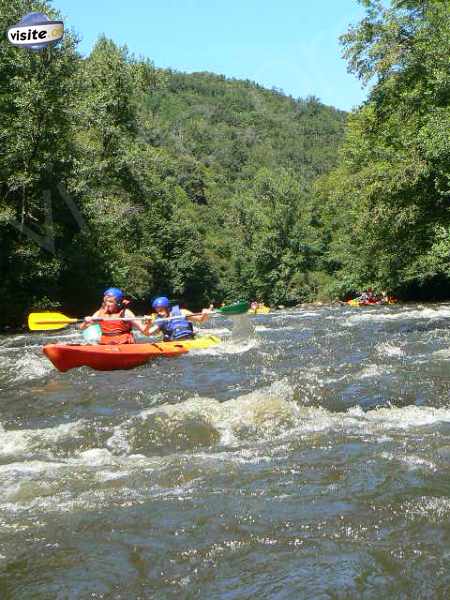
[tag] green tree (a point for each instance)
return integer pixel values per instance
(387, 201)
(276, 248)
(37, 97)
(162, 170)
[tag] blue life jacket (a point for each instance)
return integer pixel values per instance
(175, 329)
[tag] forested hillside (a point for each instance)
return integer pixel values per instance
(385, 210)
(116, 172)
(113, 171)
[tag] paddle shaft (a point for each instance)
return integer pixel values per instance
(149, 318)
(100, 319)
(50, 321)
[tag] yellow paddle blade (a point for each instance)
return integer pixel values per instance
(48, 320)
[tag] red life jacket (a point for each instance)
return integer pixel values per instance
(115, 332)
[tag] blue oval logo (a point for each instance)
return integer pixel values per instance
(35, 31)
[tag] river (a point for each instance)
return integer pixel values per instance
(309, 460)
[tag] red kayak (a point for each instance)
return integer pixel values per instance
(109, 358)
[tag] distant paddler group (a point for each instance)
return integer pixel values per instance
(258, 308)
(370, 298)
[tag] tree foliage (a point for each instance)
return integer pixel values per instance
(115, 172)
(385, 208)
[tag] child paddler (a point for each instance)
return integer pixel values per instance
(174, 323)
(113, 331)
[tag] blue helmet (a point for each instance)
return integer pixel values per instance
(115, 293)
(161, 302)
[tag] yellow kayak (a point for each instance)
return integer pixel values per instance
(199, 343)
(261, 310)
(356, 302)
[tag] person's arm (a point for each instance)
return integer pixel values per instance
(197, 318)
(152, 330)
(149, 328)
(89, 320)
(137, 324)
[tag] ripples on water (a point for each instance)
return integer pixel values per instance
(309, 460)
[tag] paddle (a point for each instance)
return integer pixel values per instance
(237, 308)
(48, 321)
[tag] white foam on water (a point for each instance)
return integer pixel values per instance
(108, 466)
(102, 457)
(403, 418)
(411, 461)
(228, 347)
(383, 439)
(216, 331)
(267, 411)
(96, 457)
(20, 349)
(371, 371)
(72, 483)
(13, 442)
(30, 366)
(380, 314)
(24, 481)
(443, 354)
(10, 340)
(26, 366)
(338, 316)
(244, 426)
(262, 414)
(119, 442)
(433, 509)
(28, 468)
(298, 315)
(390, 350)
(330, 380)
(23, 442)
(240, 456)
(265, 328)
(415, 462)
(271, 413)
(68, 335)
(69, 487)
(61, 501)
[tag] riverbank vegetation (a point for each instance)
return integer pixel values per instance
(114, 171)
(386, 206)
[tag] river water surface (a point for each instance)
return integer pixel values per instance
(311, 460)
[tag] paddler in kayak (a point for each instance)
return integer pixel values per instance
(174, 323)
(114, 331)
(368, 297)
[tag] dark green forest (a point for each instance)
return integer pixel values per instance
(385, 209)
(116, 172)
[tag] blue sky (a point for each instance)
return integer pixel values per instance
(288, 44)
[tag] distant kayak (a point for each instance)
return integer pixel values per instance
(122, 356)
(261, 310)
(356, 302)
